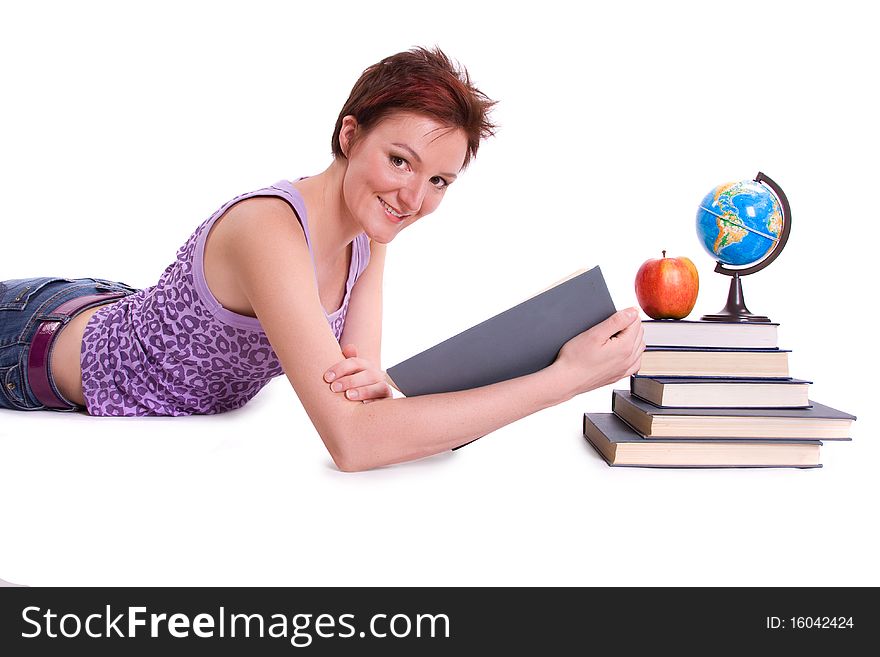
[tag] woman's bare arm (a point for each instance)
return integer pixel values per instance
(363, 323)
(275, 272)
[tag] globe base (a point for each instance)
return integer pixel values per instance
(735, 310)
(738, 317)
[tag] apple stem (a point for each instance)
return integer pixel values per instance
(664, 254)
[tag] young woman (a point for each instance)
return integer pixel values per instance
(277, 279)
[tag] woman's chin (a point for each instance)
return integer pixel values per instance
(384, 233)
(382, 238)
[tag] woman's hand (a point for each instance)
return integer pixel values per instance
(602, 355)
(358, 378)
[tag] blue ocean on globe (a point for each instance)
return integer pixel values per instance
(740, 222)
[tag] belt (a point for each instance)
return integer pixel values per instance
(41, 345)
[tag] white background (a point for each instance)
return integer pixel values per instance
(122, 129)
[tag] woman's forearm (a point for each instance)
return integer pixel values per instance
(394, 430)
(362, 436)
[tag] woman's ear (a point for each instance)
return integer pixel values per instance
(348, 134)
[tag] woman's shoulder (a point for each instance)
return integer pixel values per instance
(280, 197)
(257, 226)
(261, 205)
(270, 215)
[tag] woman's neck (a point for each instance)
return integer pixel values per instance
(331, 226)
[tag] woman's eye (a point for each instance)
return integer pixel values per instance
(439, 182)
(399, 162)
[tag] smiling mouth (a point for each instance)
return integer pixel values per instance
(390, 210)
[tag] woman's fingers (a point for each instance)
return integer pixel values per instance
(345, 368)
(359, 379)
(617, 323)
(351, 364)
(370, 392)
(639, 340)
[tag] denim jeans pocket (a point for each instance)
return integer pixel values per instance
(12, 391)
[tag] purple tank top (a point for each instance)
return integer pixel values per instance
(172, 349)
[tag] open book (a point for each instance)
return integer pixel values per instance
(516, 342)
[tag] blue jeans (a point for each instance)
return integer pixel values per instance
(24, 303)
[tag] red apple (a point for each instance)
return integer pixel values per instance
(667, 288)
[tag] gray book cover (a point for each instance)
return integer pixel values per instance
(519, 341)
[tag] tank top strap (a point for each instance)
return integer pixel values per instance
(292, 196)
(362, 243)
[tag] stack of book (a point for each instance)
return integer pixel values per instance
(714, 394)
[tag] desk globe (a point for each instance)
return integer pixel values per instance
(744, 225)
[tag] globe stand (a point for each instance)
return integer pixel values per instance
(735, 310)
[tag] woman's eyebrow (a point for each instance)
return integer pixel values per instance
(409, 149)
(418, 159)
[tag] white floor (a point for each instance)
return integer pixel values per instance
(251, 498)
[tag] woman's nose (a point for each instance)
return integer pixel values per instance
(412, 195)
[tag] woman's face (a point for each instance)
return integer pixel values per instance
(398, 171)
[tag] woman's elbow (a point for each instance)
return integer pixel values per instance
(349, 463)
(345, 454)
(349, 466)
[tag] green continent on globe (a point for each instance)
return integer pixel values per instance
(739, 222)
(729, 229)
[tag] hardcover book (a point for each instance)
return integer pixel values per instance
(718, 392)
(704, 361)
(819, 422)
(687, 333)
(518, 341)
(620, 445)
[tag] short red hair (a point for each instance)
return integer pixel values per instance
(424, 82)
